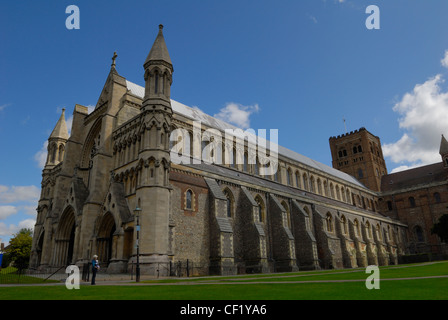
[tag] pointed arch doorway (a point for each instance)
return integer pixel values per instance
(106, 249)
(65, 239)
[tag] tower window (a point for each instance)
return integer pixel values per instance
(342, 153)
(357, 149)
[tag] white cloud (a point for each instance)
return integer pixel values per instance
(29, 210)
(17, 209)
(8, 231)
(6, 211)
(27, 223)
(19, 194)
(312, 18)
(237, 114)
(403, 168)
(41, 156)
(444, 61)
(424, 117)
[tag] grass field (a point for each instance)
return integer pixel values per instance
(10, 275)
(428, 281)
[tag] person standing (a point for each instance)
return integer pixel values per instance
(95, 267)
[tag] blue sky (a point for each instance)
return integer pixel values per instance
(297, 66)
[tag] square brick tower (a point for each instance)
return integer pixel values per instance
(359, 154)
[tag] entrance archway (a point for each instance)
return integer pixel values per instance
(105, 240)
(65, 239)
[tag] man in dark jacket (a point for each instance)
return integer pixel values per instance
(95, 267)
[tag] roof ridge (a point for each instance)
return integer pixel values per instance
(193, 113)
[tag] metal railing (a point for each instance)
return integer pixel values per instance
(14, 275)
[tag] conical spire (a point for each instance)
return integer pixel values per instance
(158, 76)
(159, 51)
(60, 130)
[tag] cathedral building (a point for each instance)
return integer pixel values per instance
(115, 187)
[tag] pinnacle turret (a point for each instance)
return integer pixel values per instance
(60, 130)
(56, 142)
(443, 146)
(158, 76)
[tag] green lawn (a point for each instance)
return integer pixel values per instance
(249, 288)
(10, 275)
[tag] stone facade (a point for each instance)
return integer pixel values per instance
(417, 197)
(226, 218)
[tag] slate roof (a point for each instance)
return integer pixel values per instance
(197, 115)
(258, 182)
(413, 177)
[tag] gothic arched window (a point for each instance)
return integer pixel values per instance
(356, 227)
(344, 225)
(189, 200)
(260, 208)
(329, 221)
(230, 203)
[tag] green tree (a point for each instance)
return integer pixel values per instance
(441, 228)
(19, 249)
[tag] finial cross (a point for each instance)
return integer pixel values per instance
(114, 58)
